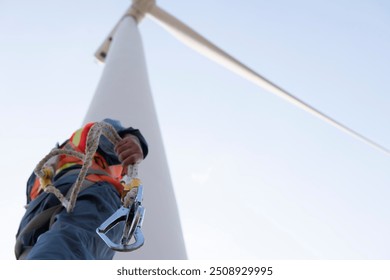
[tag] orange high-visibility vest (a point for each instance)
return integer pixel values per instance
(78, 140)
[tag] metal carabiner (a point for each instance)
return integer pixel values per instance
(133, 218)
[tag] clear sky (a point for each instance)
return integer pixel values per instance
(254, 176)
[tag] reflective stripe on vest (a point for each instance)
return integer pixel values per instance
(79, 138)
(111, 174)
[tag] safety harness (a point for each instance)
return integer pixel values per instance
(99, 170)
(80, 149)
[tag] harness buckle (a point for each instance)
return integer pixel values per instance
(132, 218)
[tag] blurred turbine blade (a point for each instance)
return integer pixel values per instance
(208, 49)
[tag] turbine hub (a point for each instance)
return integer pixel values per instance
(139, 8)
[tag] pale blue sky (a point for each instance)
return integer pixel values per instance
(254, 176)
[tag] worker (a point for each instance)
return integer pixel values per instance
(64, 235)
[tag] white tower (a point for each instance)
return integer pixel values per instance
(123, 93)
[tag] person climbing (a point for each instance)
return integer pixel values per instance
(48, 231)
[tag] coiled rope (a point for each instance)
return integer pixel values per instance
(45, 171)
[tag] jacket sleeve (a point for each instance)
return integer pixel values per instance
(106, 148)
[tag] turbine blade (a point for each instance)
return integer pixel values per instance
(197, 42)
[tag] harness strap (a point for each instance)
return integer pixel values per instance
(47, 217)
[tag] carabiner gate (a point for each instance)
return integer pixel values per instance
(133, 218)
